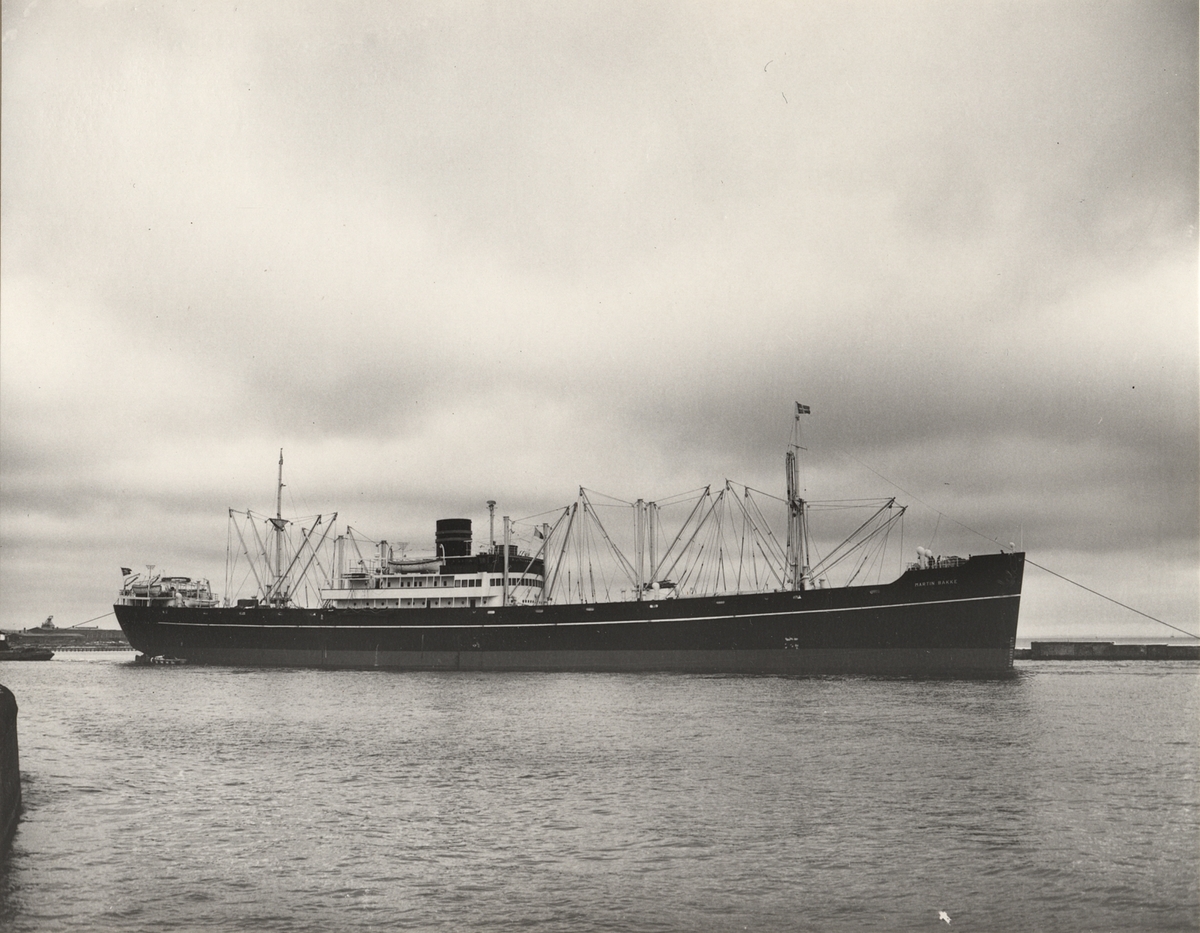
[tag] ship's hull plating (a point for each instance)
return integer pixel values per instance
(959, 620)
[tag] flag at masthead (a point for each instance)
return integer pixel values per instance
(797, 533)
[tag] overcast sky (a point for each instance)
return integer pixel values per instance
(441, 253)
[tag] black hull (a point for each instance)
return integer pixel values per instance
(950, 621)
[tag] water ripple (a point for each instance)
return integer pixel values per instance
(202, 798)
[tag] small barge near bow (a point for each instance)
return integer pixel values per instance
(11, 652)
(722, 596)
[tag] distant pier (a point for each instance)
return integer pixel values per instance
(1105, 651)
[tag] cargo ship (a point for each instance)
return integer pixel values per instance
(722, 595)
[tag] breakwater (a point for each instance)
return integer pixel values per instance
(1105, 651)
(10, 766)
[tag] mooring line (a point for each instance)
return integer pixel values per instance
(942, 514)
(1110, 599)
(86, 621)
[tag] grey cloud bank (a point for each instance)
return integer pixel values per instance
(445, 253)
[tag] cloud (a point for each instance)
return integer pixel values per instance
(442, 253)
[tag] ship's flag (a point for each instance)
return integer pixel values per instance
(537, 533)
(125, 571)
(803, 409)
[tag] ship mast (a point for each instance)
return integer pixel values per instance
(639, 535)
(797, 532)
(504, 575)
(279, 525)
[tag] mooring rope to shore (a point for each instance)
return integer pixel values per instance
(1109, 598)
(973, 531)
(86, 621)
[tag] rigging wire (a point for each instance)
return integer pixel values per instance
(593, 492)
(682, 496)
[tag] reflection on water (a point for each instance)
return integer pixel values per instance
(1062, 799)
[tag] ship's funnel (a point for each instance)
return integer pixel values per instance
(453, 537)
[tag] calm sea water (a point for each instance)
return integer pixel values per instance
(222, 799)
